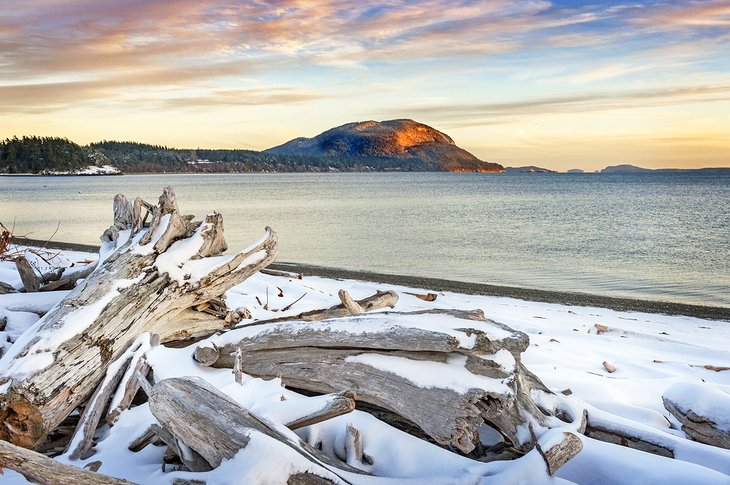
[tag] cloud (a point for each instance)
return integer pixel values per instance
(478, 114)
(245, 97)
(686, 14)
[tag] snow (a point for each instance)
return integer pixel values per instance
(449, 375)
(364, 325)
(655, 355)
(89, 170)
(176, 260)
(94, 170)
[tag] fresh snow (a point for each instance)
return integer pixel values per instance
(449, 375)
(654, 354)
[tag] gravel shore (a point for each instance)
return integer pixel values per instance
(436, 284)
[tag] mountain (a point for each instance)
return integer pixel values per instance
(624, 168)
(405, 140)
(575, 170)
(528, 169)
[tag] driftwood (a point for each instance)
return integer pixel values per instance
(83, 439)
(381, 299)
(559, 453)
(208, 355)
(190, 458)
(352, 307)
(143, 282)
(334, 405)
(696, 422)
(6, 288)
(134, 379)
(46, 471)
(216, 427)
(365, 353)
(31, 281)
(624, 436)
(283, 274)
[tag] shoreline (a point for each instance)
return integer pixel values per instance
(484, 289)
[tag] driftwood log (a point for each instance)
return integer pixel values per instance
(414, 364)
(702, 409)
(46, 471)
(144, 280)
(216, 427)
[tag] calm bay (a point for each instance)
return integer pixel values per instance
(657, 236)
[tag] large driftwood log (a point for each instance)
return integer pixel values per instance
(216, 427)
(46, 471)
(606, 430)
(447, 371)
(143, 282)
(203, 321)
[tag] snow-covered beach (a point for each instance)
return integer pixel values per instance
(651, 353)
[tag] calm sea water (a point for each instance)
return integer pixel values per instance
(651, 236)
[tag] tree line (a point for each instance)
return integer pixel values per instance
(52, 154)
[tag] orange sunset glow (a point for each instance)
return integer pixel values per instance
(562, 84)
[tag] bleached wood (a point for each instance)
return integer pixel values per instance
(561, 453)
(6, 288)
(626, 437)
(84, 435)
(190, 458)
(144, 384)
(33, 403)
(129, 389)
(335, 405)
(283, 274)
(316, 359)
(353, 445)
(31, 281)
(238, 367)
(40, 469)
(699, 427)
(216, 427)
(350, 305)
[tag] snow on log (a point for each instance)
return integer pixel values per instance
(47, 471)
(143, 281)
(703, 411)
(558, 449)
(414, 364)
(216, 427)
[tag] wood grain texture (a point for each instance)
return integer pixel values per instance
(46, 471)
(217, 428)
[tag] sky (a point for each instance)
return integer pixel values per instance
(562, 84)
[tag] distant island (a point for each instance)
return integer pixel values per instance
(626, 168)
(370, 146)
(528, 169)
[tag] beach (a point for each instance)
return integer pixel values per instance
(649, 352)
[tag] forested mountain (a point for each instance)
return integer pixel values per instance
(398, 145)
(401, 139)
